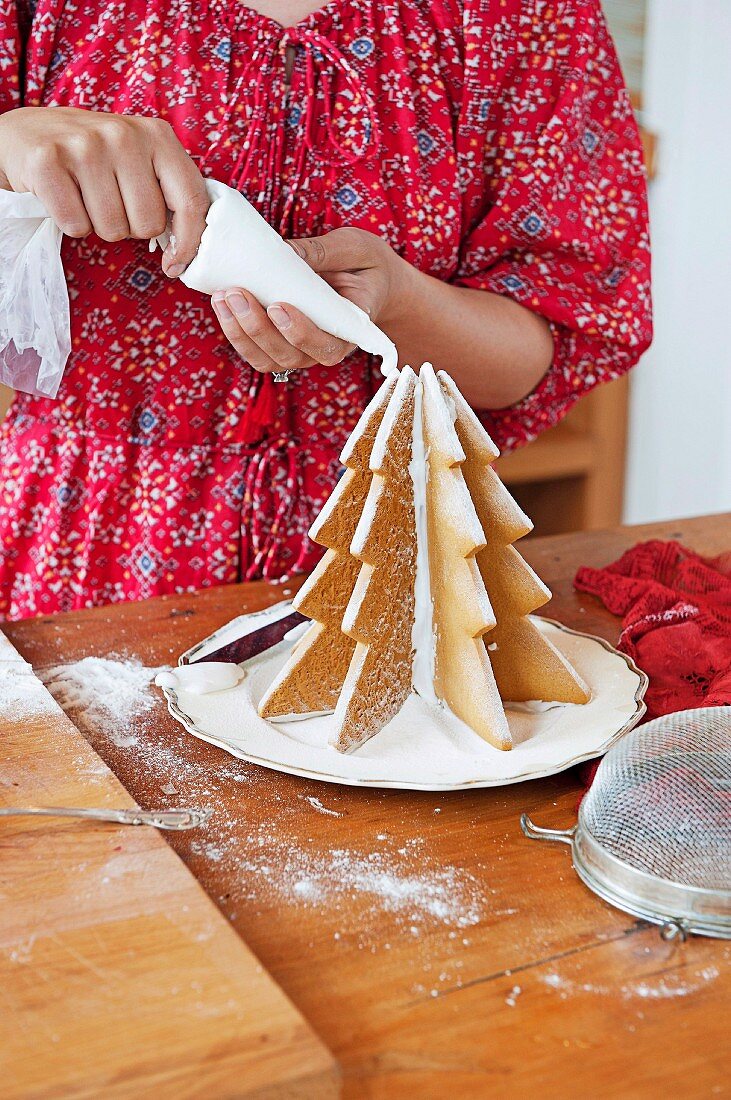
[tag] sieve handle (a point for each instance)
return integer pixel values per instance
(535, 832)
(674, 930)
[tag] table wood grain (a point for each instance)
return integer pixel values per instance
(525, 985)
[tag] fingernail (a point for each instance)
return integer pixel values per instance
(279, 317)
(219, 304)
(174, 270)
(238, 304)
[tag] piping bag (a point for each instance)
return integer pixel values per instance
(240, 249)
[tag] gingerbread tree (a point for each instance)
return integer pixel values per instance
(421, 588)
(525, 663)
(313, 676)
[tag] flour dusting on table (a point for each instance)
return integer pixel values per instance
(400, 883)
(270, 869)
(21, 695)
(661, 987)
(317, 805)
(283, 859)
(105, 694)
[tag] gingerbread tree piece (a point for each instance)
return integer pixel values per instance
(462, 614)
(313, 676)
(380, 614)
(526, 665)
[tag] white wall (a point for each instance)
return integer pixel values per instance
(680, 427)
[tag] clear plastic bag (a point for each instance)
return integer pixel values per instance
(35, 332)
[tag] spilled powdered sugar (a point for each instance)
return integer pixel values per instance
(317, 805)
(115, 700)
(665, 987)
(297, 855)
(397, 882)
(444, 896)
(105, 694)
(21, 695)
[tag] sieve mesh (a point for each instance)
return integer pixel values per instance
(661, 799)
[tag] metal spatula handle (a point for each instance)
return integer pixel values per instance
(159, 819)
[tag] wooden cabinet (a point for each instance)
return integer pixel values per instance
(572, 477)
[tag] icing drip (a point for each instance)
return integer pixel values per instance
(533, 706)
(389, 355)
(201, 679)
(422, 634)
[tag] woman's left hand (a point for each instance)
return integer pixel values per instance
(356, 263)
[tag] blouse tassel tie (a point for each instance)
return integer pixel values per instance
(280, 457)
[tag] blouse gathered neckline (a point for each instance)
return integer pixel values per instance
(314, 18)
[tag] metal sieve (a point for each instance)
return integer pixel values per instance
(653, 836)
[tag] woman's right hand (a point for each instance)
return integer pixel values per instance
(114, 175)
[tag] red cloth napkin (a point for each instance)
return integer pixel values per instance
(676, 624)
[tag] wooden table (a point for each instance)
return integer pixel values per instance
(119, 977)
(459, 959)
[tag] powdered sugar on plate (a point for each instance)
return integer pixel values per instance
(422, 747)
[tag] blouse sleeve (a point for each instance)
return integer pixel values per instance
(557, 217)
(14, 17)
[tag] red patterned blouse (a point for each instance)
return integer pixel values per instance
(492, 145)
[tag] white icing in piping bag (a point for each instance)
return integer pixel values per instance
(240, 249)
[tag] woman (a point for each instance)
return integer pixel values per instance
(470, 174)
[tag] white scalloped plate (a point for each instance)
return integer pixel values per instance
(421, 748)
